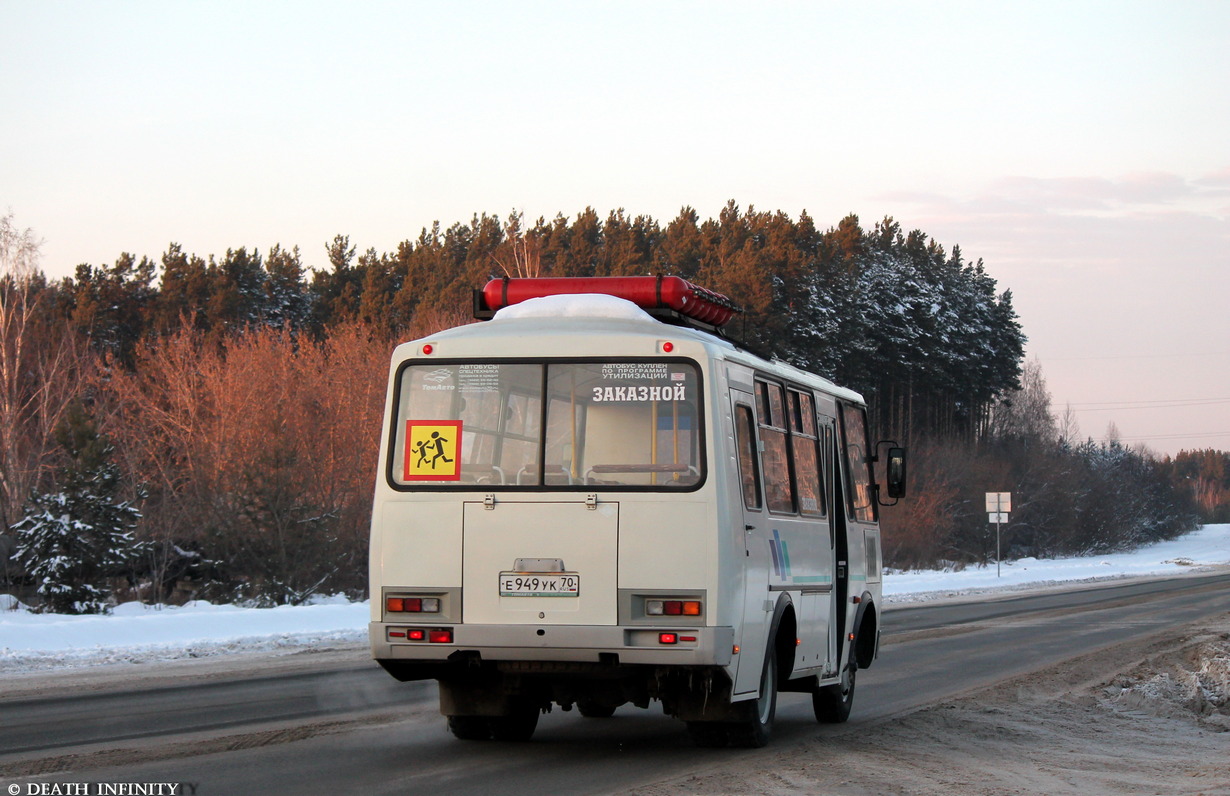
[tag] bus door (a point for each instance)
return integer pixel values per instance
(810, 533)
(756, 605)
(836, 526)
(842, 502)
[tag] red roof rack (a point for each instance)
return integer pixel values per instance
(669, 298)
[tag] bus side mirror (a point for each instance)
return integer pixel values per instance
(895, 475)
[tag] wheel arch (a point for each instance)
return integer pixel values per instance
(783, 635)
(866, 632)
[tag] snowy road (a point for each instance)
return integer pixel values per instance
(350, 728)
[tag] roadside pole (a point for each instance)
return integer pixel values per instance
(998, 506)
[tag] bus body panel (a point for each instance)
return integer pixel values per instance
(420, 543)
(664, 545)
(508, 538)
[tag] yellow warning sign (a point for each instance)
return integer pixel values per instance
(433, 450)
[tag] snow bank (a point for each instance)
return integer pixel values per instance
(141, 633)
(1206, 547)
(137, 633)
(1193, 681)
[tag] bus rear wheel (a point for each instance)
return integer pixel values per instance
(832, 703)
(754, 731)
(470, 728)
(516, 726)
(595, 710)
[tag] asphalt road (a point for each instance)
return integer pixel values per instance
(353, 729)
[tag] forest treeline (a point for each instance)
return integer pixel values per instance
(220, 415)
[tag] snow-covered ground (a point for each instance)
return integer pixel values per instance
(1207, 547)
(138, 633)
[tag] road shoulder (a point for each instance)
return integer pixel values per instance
(1150, 716)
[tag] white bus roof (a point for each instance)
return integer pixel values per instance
(599, 314)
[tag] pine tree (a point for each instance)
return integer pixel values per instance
(110, 304)
(75, 539)
(184, 292)
(286, 302)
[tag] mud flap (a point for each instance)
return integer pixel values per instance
(699, 695)
(477, 696)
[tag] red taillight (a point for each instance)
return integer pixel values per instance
(668, 638)
(416, 635)
(440, 636)
(428, 348)
(673, 608)
(413, 605)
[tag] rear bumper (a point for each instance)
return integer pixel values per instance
(713, 646)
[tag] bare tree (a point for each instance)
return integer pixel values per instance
(19, 251)
(257, 452)
(520, 254)
(1069, 426)
(39, 362)
(1026, 413)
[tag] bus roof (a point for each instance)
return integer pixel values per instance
(599, 314)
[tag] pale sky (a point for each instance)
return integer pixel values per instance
(1081, 149)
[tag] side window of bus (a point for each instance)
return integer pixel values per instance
(779, 492)
(858, 464)
(745, 441)
(806, 454)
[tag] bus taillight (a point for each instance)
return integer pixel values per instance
(672, 608)
(412, 605)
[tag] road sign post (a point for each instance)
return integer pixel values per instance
(998, 506)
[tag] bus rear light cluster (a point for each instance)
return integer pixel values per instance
(672, 608)
(441, 635)
(412, 605)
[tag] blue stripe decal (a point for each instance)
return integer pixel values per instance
(781, 556)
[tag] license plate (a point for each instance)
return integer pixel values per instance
(540, 584)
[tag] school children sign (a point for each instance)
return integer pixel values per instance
(433, 450)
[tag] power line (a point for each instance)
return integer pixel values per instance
(1185, 436)
(1141, 356)
(1157, 403)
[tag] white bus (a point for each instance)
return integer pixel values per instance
(579, 504)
